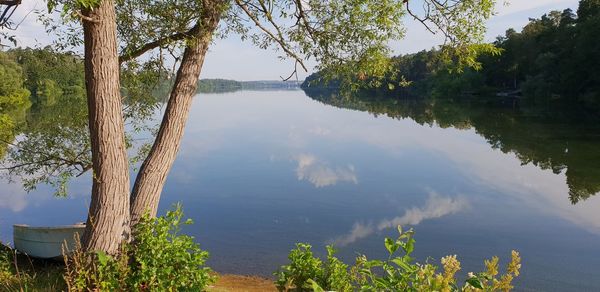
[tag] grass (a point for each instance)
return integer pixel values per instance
(21, 273)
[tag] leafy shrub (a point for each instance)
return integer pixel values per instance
(398, 273)
(6, 266)
(303, 266)
(336, 275)
(95, 271)
(164, 258)
(306, 271)
(160, 259)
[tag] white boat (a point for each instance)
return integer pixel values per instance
(46, 242)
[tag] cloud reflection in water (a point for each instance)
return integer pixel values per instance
(319, 173)
(436, 207)
(13, 197)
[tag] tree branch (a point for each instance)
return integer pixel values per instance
(270, 34)
(134, 53)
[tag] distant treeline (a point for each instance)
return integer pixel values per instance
(556, 56)
(225, 85)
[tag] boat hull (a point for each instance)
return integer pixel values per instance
(46, 242)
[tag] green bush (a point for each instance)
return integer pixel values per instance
(306, 271)
(6, 265)
(160, 259)
(397, 273)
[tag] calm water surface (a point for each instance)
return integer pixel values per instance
(259, 171)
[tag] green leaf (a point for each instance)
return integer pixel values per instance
(390, 245)
(315, 286)
(475, 282)
(373, 263)
(102, 257)
(410, 246)
(382, 282)
(402, 264)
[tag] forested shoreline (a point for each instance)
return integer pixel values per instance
(553, 58)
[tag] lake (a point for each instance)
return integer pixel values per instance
(261, 170)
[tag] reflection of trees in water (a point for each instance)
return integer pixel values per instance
(51, 141)
(53, 146)
(562, 139)
(45, 137)
(14, 100)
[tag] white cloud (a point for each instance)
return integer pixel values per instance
(435, 207)
(13, 197)
(319, 173)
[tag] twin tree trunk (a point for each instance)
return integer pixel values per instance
(153, 172)
(108, 221)
(110, 215)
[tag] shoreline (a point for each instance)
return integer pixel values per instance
(46, 275)
(239, 283)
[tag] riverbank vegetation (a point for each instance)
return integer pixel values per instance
(160, 259)
(20, 273)
(399, 272)
(163, 259)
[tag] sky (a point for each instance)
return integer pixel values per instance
(233, 59)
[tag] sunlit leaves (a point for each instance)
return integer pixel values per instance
(160, 258)
(399, 272)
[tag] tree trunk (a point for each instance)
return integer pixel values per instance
(108, 217)
(154, 170)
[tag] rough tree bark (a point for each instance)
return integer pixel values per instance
(108, 218)
(155, 168)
